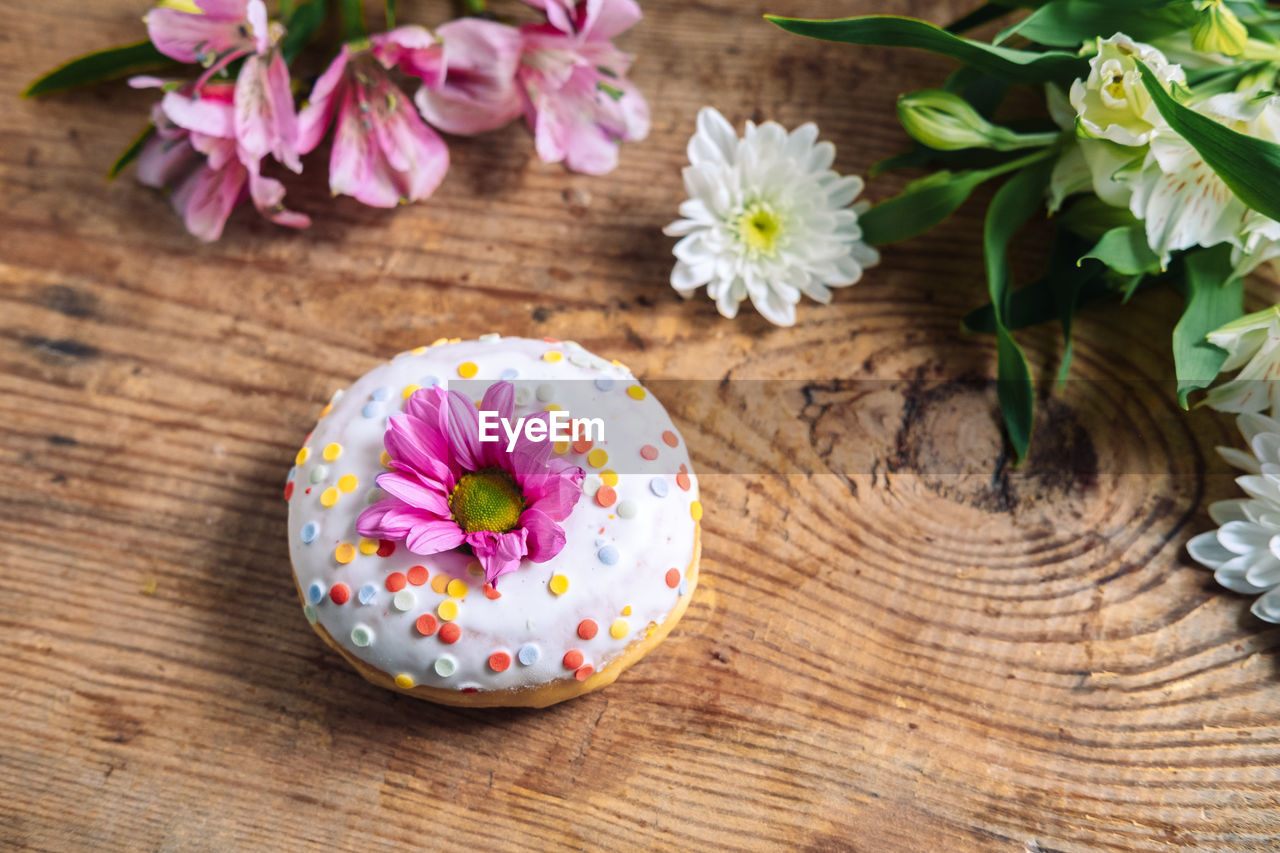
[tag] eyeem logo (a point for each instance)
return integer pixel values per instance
(561, 427)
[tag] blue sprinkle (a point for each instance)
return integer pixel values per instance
(428, 382)
(293, 472)
(371, 409)
(604, 383)
(509, 374)
(367, 593)
(383, 393)
(528, 654)
(683, 589)
(659, 487)
(316, 593)
(309, 532)
(608, 555)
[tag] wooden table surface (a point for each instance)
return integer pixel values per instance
(899, 643)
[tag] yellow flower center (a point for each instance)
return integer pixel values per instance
(488, 499)
(1115, 87)
(759, 227)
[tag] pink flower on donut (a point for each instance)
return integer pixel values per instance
(447, 488)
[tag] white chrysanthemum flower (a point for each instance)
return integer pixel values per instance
(1243, 550)
(766, 219)
(1252, 343)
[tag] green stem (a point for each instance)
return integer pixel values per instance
(284, 9)
(353, 27)
(475, 7)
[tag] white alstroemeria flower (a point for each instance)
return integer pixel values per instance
(1242, 551)
(1253, 347)
(1112, 103)
(766, 219)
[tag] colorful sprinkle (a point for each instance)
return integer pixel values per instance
(627, 509)
(591, 485)
(583, 672)
(626, 611)
(528, 654)
(508, 374)
(318, 474)
(381, 394)
(587, 629)
(309, 532)
(552, 355)
(545, 392)
(491, 593)
(347, 483)
(368, 547)
(404, 681)
(474, 569)
(395, 581)
(448, 610)
(468, 370)
(386, 547)
(604, 383)
(488, 337)
(572, 659)
(361, 635)
(682, 480)
(332, 451)
(340, 593)
(428, 382)
(673, 578)
(499, 661)
(582, 445)
(371, 410)
(684, 586)
(315, 593)
(344, 553)
(417, 575)
(309, 611)
(329, 497)
(409, 391)
(605, 496)
(597, 458)
(445, 666)
(649, 452)
(561, 447)
(670, 439)
(440, 583)
(635, 392)
(303, 455)
(619, 629)
(608, 555)
(385, 459)
(367, 593)
(450, 632)
(288, 490)
(695, 510)
(404, 600)
(609, 478)
(457, 588)
(559, 585)
(659, 487)
(426, 624)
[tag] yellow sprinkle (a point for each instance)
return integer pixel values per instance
(440, 583)
(448, 610)
(457, 588)
(597, 458)
(619, 629)
(303, 455)
(368, 547)
(552, 355)
(418, 350)
(404, 681)
(626, 611)
(408, 391)
(609, 477)
(332, 451)
(468, 369)
(454, 341)
(559, 585)
(552, 407)
(348, 483)
(695, 510)
(475, 569)
(385, 459)
(149, 588)
(635, 392)
(649, 629)
(329, 497)
(438, 341)
(344, 553)
(561, 447)
(328, 407)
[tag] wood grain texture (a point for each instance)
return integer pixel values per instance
(933, 652)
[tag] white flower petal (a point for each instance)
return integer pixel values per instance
(1206, 550)
(1239, 459)
(1243, 537)
(1267, 607)
(1223, 511)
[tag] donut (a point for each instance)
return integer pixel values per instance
(497, 522)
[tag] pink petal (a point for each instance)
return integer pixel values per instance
(426, 404)
(317, 113)
(544, 537)
(559, 13)
(418, 444)
(479, 92)
(207, 198)
(355, 166)
(432, 537)
(265, 121)
(233, 10)
(211, 116)
(606, 18)
(256, 14)
(388, 519)
(187, 37)
(415, 492)
(498, 397)
(268, 198)
(414, 50)
(529, 458)
(553, 495)
(463, 428)
(411, 148)
(163, 161)
(498, 553)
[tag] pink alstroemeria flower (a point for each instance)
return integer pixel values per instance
(384, 154)
(195, 153)
(479, 91)
(220, 33)
(448, 489)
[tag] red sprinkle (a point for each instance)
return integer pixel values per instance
(682, 480)
(491, 593)
(587, 629)
(418, 575)
(582, 445)
(470, 690)
(551, 340)
(450, 632)
(649, 452)
(288, 490)
(605, 496)
(308, 491)
(395, 581)
(669, 438)
(572, 659)
(584, 672)
(673, 578)
(386, 547)
(499, 661)
(340, 593)
(427, 624)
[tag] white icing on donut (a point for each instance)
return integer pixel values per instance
(650, 529)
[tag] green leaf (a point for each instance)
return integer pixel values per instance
(1248, 165)
(131, 153)
(353, 26)
(1013, 204)
(1019, 66)
(982, 15)
(1214, 298)
(1069, 23)
(96, 67)
(1125, 250)
(301, 27)
(391, 14)
(1090, 217)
